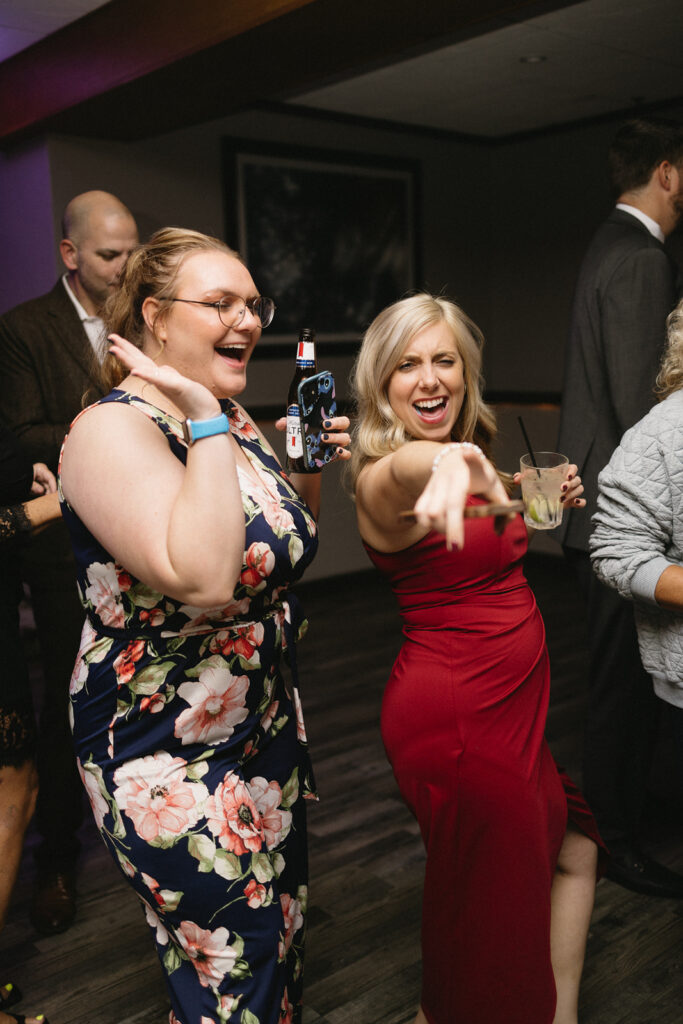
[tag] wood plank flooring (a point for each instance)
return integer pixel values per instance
(363, 959)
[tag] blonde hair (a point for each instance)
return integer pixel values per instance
(151, 271)
(378, 429)
(670, 376)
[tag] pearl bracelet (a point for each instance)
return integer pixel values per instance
(448, 448)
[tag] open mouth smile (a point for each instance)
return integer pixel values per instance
(234, 353)
(431, 409)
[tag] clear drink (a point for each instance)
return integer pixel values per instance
(542, 488)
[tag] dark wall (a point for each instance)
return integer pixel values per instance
(503, 227)
(28, 265)
(503, 231)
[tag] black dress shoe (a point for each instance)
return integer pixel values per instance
(54, 902)
(631, 868)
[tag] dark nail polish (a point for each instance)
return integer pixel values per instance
(327, 424)
(326, 437)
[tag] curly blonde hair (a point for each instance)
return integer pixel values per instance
(378, 429)
(151, 272)
(670, 376)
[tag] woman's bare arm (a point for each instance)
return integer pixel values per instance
(405, 479)
(178, 529)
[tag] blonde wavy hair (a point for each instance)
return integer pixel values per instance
(151, 271)
(378, 430)
(670, 376)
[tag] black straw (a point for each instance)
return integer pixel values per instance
(528, 445)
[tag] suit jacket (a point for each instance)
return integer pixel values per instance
(627, 286)
(16, 471)
(47, 364)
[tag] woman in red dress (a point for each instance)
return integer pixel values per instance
(511, 845)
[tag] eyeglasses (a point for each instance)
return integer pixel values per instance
(232, 310)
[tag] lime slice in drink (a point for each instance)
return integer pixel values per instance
(538, 509)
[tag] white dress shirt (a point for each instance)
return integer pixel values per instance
(651, 225)
(93, 325)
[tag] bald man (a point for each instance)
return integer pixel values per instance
(99, 234)
(50, 350)
(51, 346)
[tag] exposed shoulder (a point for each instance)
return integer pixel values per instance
(112, 448)
(373, 478)
(113, 423)
(379, 499)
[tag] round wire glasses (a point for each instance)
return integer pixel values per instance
(232, 310)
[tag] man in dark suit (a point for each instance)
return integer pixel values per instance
(50, 349)
(628, 284)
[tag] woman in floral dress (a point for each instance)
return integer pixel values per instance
(187, 536)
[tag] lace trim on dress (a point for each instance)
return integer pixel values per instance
(14, 524)
(17, 736)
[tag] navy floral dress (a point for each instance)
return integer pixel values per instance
(193, 752)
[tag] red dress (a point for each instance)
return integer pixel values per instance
(463, 721)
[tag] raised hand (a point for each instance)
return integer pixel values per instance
(459, 472)
(192, 399)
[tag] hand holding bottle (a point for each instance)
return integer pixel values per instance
(336, 433)
(327, 436)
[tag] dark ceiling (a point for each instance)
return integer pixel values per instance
(130, 70)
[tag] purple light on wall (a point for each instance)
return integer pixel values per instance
(28, 267)
(12, 40)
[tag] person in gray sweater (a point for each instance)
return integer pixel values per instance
(637, 542)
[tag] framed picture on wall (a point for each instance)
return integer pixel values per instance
(331, 236)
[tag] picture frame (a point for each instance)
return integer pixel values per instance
(330, 235)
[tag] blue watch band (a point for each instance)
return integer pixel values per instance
(195, 430)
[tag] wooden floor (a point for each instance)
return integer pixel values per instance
(363, 962)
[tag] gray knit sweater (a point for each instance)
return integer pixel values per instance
(638, 533)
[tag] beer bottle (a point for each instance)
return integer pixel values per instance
(306, 365)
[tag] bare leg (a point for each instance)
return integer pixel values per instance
(572, 897)
(18, 790)
(420, 1019)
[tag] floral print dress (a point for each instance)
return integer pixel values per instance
(193, 752)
